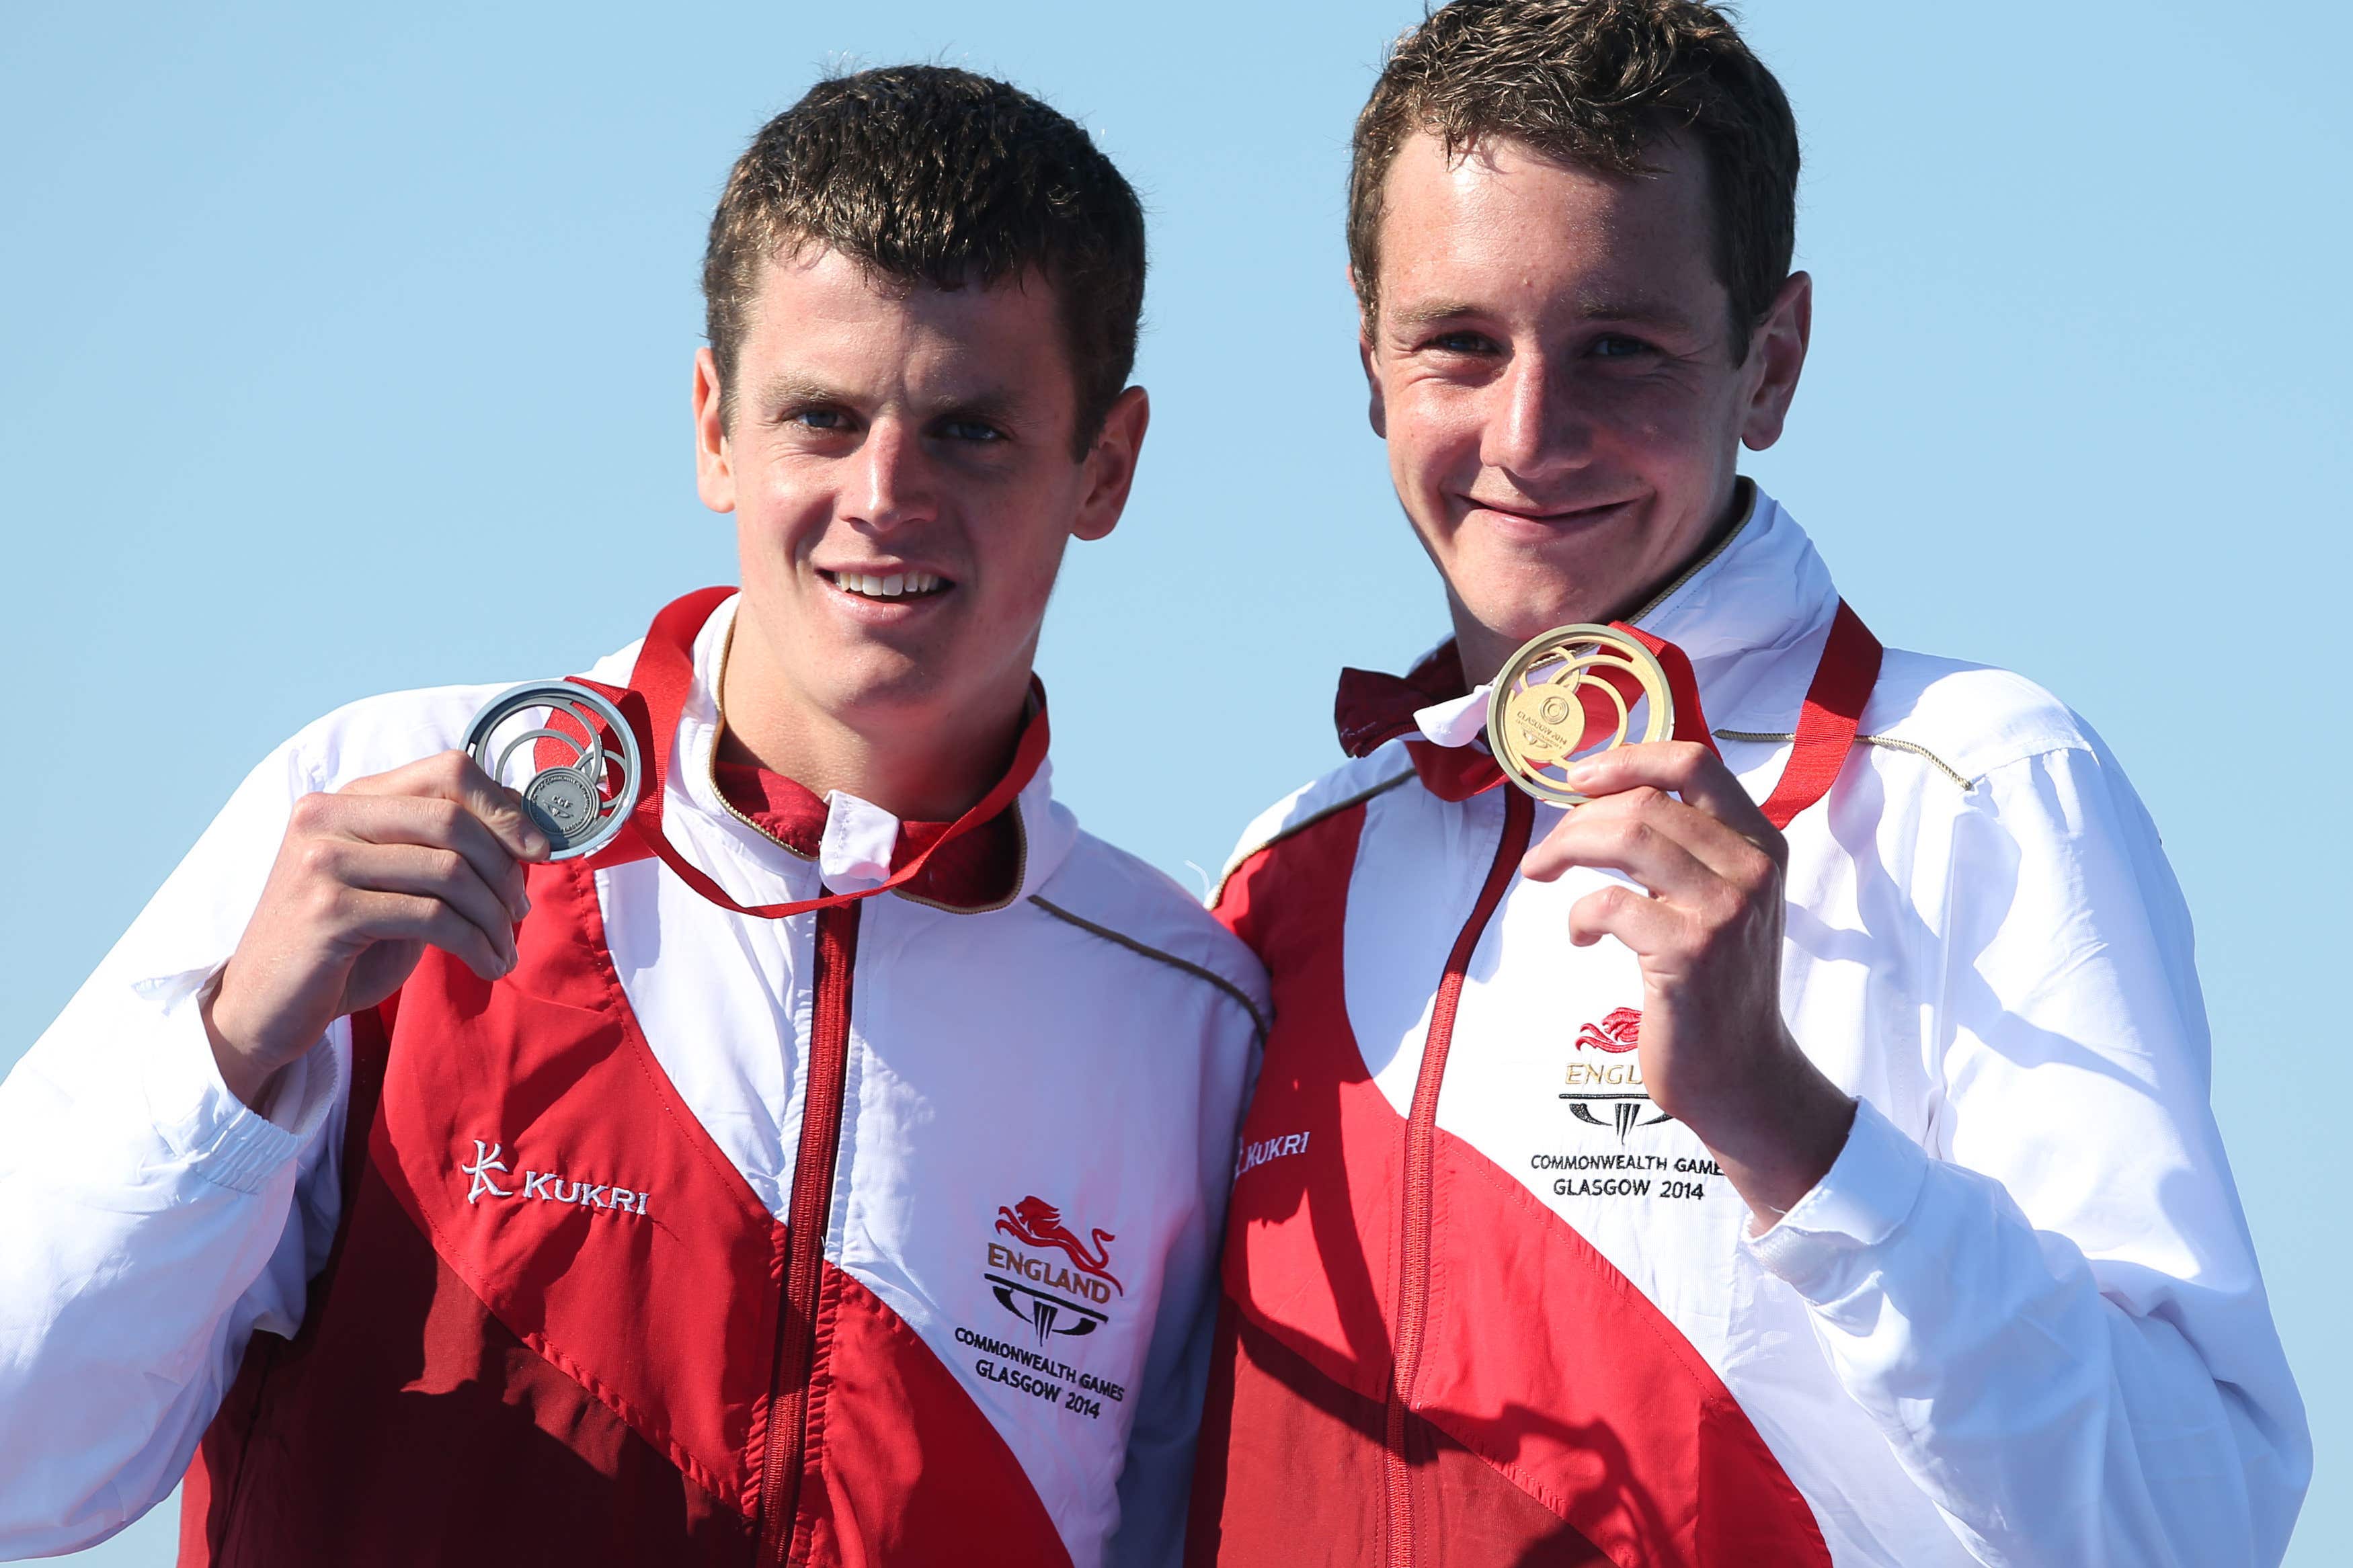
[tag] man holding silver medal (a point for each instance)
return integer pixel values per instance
(778, 1132)
(1799, 1152)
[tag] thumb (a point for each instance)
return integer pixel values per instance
(455, 777)
(501, 810)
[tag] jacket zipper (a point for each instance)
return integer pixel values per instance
(1420, 1134)
(808, 1211)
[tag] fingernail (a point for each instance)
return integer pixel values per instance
(1580, 775)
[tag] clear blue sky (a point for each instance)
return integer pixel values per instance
(345, 348)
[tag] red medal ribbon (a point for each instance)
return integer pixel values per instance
(1683, 685)
(654, 701)
(1829, 720)
(1375, 709)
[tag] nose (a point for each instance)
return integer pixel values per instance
(1534, 426)
(890, 481)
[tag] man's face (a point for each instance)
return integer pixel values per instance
(1554, 370)
(899, 463)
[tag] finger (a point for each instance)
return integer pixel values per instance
(413, 917)
(1645, 926)
(1594, 827)
(454, 777)
(1631, 842)
(435, 823)
(428, 872)
(1687, 769)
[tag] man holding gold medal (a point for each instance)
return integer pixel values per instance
(1798, 1152)
(770, 1129)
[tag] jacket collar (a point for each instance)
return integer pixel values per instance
(1762, 594)
(853, 844)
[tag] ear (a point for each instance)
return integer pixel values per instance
(1377, 413)
(1110, 464)
(715, 469)
(1776, 355)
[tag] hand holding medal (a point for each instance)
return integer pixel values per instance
(1695, 888)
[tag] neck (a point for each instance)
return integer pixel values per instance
(929, 769)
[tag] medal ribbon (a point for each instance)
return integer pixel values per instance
(1829, 720)
(1458, 772)
(654, 701)
(1682, 686)
(1827, 724)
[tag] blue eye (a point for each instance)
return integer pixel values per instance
(819, 419)
(1617, 346)
(970, 430)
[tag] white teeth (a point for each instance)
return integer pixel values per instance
(896, 585)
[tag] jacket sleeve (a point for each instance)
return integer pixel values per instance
(1157, 1482)
(1155, 1485)
(149, 1220)
(2055, 1314)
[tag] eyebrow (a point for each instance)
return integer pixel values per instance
(1431, 314)
(786, 391)
(1001, 403)
(1634, 311)
(1639, 311)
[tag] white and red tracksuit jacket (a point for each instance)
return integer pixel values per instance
(885, 1233)
(1487, 1305)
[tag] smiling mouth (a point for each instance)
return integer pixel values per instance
(892, 587)
(1564, 515)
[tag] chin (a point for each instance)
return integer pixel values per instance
(880, 698)
(1540, 607)
(1515, 630)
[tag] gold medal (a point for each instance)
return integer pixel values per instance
(1570, 694)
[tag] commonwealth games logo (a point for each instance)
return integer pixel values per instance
(1605, 1075)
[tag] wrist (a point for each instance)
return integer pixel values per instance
(247, 1074)
(1776, 1135)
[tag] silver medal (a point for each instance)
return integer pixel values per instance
(579, 804)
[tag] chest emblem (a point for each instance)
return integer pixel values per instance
(1620, 1032)
(1062, 1293)
(1605, 1075)
(1060, 1289)
(1037, 1223)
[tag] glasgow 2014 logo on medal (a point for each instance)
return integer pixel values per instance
(1605, 1073)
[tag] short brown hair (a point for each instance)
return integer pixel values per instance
(929, 174)
(1590, 83)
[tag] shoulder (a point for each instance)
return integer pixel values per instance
(1351, 785)
(1970, 720)
(378, 733)
(1145, 917)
